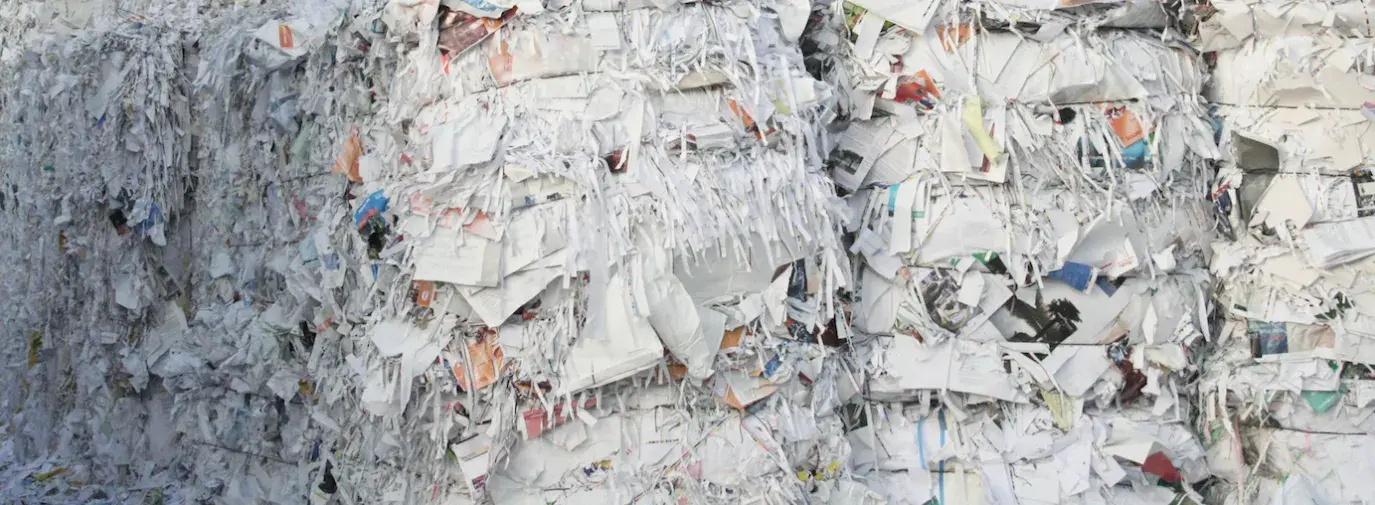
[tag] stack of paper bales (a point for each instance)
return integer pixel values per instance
(410, 252)
(1287, 395)
(1029, 219)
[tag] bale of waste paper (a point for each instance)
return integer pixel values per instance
(1292, 361)
(1030, 228)
(381, 252)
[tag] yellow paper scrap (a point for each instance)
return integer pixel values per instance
(973, 117)
(1061, 409)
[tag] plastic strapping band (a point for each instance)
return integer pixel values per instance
(942, 463)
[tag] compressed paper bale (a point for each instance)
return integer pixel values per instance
(1232, 23)
(1295, 71)
(1047, 16)
(1070, 68)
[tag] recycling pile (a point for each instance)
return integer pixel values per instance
(84, 224)
(613, 232)
(1028, 213)
(1287, 396)
(406, 253)
(657, 251)
(146, 346)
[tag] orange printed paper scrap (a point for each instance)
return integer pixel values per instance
(284, 37)
(677, 372)
(917, 90)
(953, 36)
(347, 162)
(740, 112)
(732, 338)
(484, 359)
(750, 126)
(424, 293)
(1125, 125)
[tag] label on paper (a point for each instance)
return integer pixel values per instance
(424, 293)
(284, 38)
(1126, 126)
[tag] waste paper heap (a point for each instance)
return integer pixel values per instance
(1027, 187)
(408, 252)
(670, 251)
(1286, 396)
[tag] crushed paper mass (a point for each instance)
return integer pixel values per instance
(1284, 396)
(1031, 231)
(933, 252)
